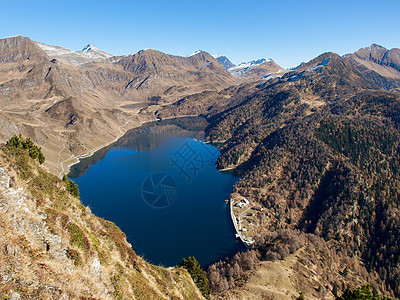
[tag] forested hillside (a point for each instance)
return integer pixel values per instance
(319, 150)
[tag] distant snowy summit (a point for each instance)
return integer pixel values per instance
(223, 60)
(87, 54)
(256, 69)
(95, 52)
(243, 68)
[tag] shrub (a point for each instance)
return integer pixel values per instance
(71, 186)
(18, 142)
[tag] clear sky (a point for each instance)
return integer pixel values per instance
(287, 31)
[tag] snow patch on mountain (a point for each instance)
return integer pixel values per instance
(272, 75)
(54, 50)
(244, 67)
(319, 66)
(195, 53)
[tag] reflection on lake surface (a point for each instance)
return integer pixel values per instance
(158, 183)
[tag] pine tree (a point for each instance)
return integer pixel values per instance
(197, 274)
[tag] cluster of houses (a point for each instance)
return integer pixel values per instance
(242, 203)
(238, 222)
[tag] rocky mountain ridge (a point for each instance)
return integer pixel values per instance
(257, 69)
(380, 55)
(18, 48)
(77, 101)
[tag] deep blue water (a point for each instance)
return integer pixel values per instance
(160, 186)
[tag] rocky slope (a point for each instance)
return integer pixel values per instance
(158, 74)
(319, 153)
(53, 247)
(19, 48)
(378, 60)
(380, 55)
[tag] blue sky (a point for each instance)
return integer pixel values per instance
(287, 31)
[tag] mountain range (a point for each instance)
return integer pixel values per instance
(317, 148)
(79, 94)
(80, 100)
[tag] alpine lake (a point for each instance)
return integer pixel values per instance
(159, 184)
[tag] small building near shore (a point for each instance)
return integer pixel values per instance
(242, 203)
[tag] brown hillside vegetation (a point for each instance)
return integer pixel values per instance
(53, 247)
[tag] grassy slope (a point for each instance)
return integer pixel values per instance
(53, 246)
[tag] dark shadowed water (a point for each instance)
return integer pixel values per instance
(160, 186)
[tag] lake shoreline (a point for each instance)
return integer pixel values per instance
(75, 159)
(147, 152)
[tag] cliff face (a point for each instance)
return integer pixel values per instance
(19, 48)
(380, 55)
(53, 247)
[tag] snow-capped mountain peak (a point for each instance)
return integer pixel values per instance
(244, 67)
(95, 52)
(259, 68)
(251, 64)
(87, 48)
(223, 60)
